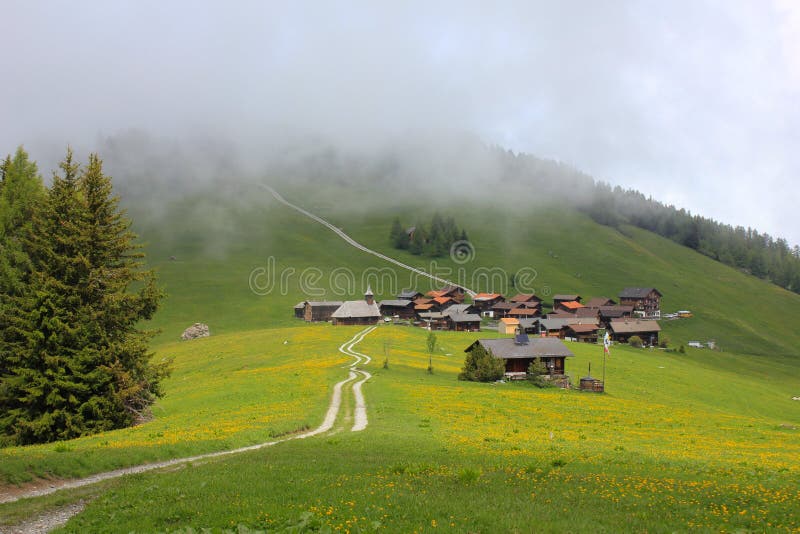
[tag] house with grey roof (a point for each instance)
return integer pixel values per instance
(401, 308)
(358, 312)
(520, 351)
(622, 330)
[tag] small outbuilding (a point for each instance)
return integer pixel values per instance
(508, 325)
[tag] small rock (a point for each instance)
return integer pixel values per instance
(195, 331)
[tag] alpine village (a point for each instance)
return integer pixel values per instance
(530, 339)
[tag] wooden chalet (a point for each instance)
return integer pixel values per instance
(608, 313)
(508, 325)
(464, 322)
(522, 312)
(565, 298)
(462, 308)
(529, 326)
(554, 327)
(483, 302)
(569, 306)
(646, 301)
(314, 311)
(357, 312)
(587, 313)
(454, 292)
(452, 319)
(442, 303)
(533, 304)
(526, 298)
(520, 351)
(621, 330)
(598, 302)
(435, 320)
(586, 333)
(501, 309)
(400, 308)
(409, 294)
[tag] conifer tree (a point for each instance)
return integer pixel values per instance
(75, 361)
(21, 193)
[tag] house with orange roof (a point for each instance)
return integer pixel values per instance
(569, 306)
(454, 292)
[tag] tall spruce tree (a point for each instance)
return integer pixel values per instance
(21, 194)
(76, 362)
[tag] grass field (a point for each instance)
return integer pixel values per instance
(661, 451)
(697, 441)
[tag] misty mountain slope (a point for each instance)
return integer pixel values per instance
(218, 242)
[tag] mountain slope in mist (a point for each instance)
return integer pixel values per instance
(218, 243)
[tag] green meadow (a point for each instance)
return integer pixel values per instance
(702, 440)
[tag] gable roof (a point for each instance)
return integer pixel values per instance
(637, 292)
(566, 297)
(597, 302)
(586, 312)
(356, 308)
(398, 303)
(487, 296)
(509, 320)
(572, 305)
(582, 328)
(507, 348)
(459, 308)
(525, 312)
(442, 300)
(504, 306)
(615, 311)
(559, 322)
(633, 326)
(447, 290)
(409, 294)
(528, 322)
(465, 318)
(524, 297)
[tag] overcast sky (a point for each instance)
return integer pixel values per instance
(695, 103)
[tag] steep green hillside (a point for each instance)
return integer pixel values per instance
(217, 243)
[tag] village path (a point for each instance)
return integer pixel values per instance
(55, 518)
(358, 245)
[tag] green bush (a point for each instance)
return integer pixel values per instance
(536, 374)
(636, 341)
(481, 366)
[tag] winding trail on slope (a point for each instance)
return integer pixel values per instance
(327, 423)
(360, 420)
(358, 245)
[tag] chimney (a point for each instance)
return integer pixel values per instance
(369, 297)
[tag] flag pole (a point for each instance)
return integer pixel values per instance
(606, 345)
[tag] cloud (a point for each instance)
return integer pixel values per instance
(692, 102)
